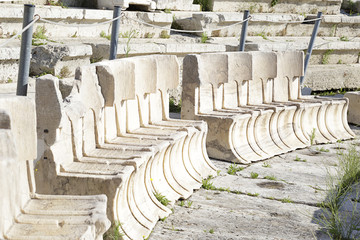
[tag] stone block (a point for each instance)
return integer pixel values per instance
(353, 114)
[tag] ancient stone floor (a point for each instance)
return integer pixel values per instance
(280, 203)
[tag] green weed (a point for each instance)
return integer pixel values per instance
(161, 198)
(254, 175)
(234, 168)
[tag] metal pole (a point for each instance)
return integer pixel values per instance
(25, 51)
(115, 33)
(244, 31)
(311, 45)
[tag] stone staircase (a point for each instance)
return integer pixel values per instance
(335, 49)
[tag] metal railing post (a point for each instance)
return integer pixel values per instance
(25, 51)
(311, 45)
(244, 31)
(115, 33)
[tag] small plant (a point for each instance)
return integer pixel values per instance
(204, 37)
(164, 34)
(340, 186)
(39, 34)
(340, 62)
(95, 60)
(266, 165)
(262, 34)
(273, 2)
(312, 136)
(322, 149)
(163, 219)
(114, 233)
(104, 35)
(56, 3)
(189, 203)
(173, 107)
(286, 200)
(254, 175)
(204, 4)
(344, 38)
(326, 56)
(333, 30)
(182, 203)
(297, 159)
(272, 178)
(234, 168)
(74, 35)
(161, 198)
(129, 35)
(252, 194)
(211, 231)
(64, 72)
(149, 35)
(166, 10)
(9, 80)
(218, 172)
(207, 184)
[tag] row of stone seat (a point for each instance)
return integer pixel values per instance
(112, 135)
(253, 105)
(24, 213)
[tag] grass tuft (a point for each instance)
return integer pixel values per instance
(234, 168)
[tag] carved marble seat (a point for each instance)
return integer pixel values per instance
(252, 108)
(119, 142)
(24, 213)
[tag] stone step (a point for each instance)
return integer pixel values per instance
(332, 76)
(268, 24)
(75, 19)
(278, 6)
(327, 50)
(20, 231)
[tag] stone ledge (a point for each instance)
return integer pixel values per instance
(327, 77)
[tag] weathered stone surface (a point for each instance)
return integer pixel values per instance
(255, 111)
(183, 5)
(60, 60)
(327, 77)
(113, 133)
(289, 6)
(25, 214)
(354, 105)
(283, 206)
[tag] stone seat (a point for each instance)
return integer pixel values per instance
(252, 108)
(323, 119)
(24, 213)
(106, 128)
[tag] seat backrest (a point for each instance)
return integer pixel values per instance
(265, 70)
(17, 153)
(290, 67)
(74, 126)
(218, 80)
(240, 72)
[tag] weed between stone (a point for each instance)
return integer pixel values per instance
(337, 223)
(234, 168)
(115, 232)
(161, 198)
(254, 175)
